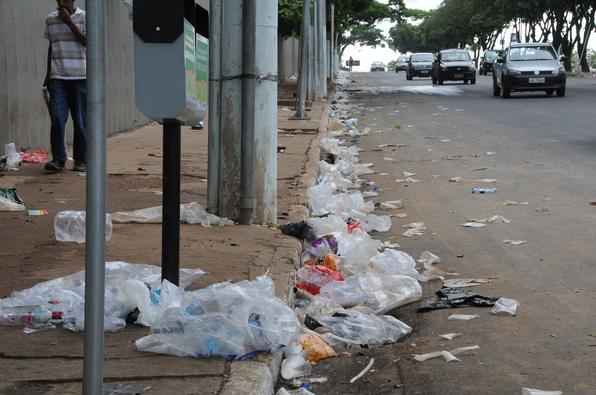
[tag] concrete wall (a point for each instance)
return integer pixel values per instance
(288, 57)
(23, 115)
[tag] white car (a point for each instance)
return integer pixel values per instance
(377, 66)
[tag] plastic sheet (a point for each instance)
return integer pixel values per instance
(326, 225)
(69, 226)
(315, 348)
(346, 293)
(394, 262)
(13, 158)
(190, 213)
(505, 306)
(356, 249)
(365, 329)
(533, 391)
(386, 292)
(312, 278)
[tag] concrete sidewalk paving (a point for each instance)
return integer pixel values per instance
(50, 362)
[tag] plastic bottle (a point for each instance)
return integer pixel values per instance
(34, 318)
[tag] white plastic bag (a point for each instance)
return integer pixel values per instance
(375, 223)
(190, 213)
(505, 306)
(69, 226)
(362, 328)
(327, 225)
(386, 292)
(393, 261)
(346, 293)
(356, 249)
(532, 391)
(13, 158)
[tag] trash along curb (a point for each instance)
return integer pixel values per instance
(259, 376)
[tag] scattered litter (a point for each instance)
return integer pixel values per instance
(408, 174)
(431, 90)
(464, 282)
(408, 180)
(35, 156)
(429, 272)
(393, 204)
(69, 226)
(312, 278)
(124, 389)
(490, 153)
(451, 298)
(515, 203)
(388, 159)
(448, 356)
(484, 190)
(515, 242)
(462, 317)
(12, 157)
(190, 213)
(532, 391)
(37, 213)
(487, 180)
(505, 306)
(473, 225)
(299, 391)
(401, 215)
(459, 110)
(294, 365)
(456, 179)
(394, 262)
(10, 200)
(383, 174)
(445, 140)
(414, 229)
(543, 210)
(481, 169)
(369, 194)
(363, 372)
(388, 244)
(495, 219)
(315, 348)
(450, 336)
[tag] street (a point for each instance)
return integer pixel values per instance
(541, 150)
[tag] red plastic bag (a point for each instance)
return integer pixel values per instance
(312, 278)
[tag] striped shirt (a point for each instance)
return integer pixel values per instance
(69, 57)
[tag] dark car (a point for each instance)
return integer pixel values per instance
(402, 64)
(453, 65)
(420, 65)
(487, 62)
(529, 67)
(377, 66)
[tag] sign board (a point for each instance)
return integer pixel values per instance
(171, 59)
(354, 63)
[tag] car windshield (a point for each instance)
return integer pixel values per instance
(403, 59)
(423, 57)
(532, 53)
(491, 55)
(455, 56)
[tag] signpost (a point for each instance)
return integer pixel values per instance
(171, 75)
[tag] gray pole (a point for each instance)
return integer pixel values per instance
(259, 137)
(303, 77)
(322, 39)
(317, 50)
(332, 52)
(214, 114)
(230, 157)
(312, 56)
(93, 366)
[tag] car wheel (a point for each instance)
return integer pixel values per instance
(561, 92)
(473, 82)
(465, 82)
(434, 81)
(440, 82)
(506, 91)
(496, 88)
(408, 77)
(549, 92)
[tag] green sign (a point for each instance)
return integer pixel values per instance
(196, 67)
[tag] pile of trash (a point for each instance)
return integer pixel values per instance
(12, 158)
(230, 320)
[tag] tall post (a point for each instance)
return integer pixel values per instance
(170, 228)
(322, 45)
(214, 120)
(332, 58)
(230, 156)
(317, 49)
(303, 72)
(259, 126)
(93, 367)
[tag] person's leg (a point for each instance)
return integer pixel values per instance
(59, 116)
(78, 110)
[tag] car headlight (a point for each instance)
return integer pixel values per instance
(513, 72)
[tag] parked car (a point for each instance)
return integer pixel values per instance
(402, 64)
(453, 65)
(487, 62)
(529, 67)
(377, 66)
(420, 65)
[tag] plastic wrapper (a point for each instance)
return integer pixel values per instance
(10, 200)
(322, 246)
(376, 223)
(333, 175)
(386, 292)
(332, 262)
(394, 262)
(533, 391)
(315, 348)
(225, 320)
(190, 213)
(69, 226)
(366, 329)
(505, 306)
(346, 293)
(13, 158)
(320, 306)
(312, 278)
(318, 198)
(356, 249)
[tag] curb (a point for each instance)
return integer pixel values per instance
(259, 377)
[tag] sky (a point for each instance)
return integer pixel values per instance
(367, 55)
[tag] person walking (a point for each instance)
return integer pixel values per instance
(66, 82)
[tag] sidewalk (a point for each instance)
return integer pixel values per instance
(50, 362)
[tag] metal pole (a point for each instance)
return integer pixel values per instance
(170, 227)
(230, 157)
(214, 115)
(332, 59)
(303, 77)
(93, 367)
(312, 56)
(322, 38)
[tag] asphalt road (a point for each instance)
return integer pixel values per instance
(541, 150)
